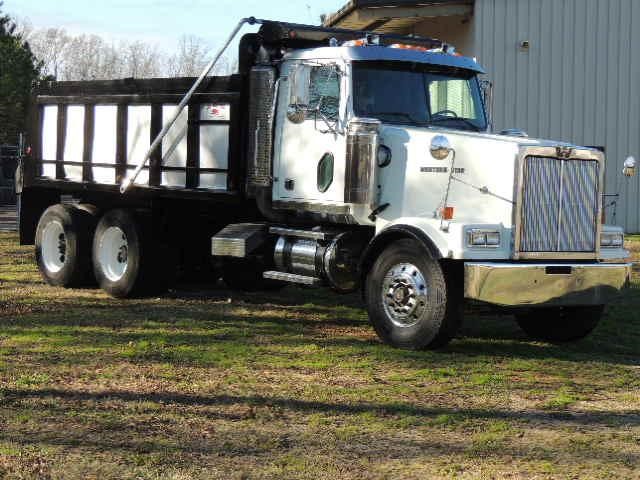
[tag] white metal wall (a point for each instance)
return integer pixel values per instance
(579, 81)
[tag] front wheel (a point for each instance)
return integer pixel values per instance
(560, 324)
(410, 303)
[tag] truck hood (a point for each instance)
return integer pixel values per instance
(483, 189)
(520, 141)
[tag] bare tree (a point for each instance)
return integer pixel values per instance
(50, 46)
(141, 60)
(24, 27)
(190, 59)
(90, 57)
(84, 58)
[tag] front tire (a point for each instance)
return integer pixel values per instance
(63, 246)
(560, 324)
(410, 303)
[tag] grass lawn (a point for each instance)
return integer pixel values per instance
(215, 384)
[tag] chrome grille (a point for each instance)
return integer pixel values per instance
(560, 205)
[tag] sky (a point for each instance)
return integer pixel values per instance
(163, 22)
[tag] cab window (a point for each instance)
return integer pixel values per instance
(324, 91)
(452, 95)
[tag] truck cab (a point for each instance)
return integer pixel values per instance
(395, 139)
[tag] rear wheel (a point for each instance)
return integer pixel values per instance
(408, 299)
(124, 259)
(63, 245)
(560, 324)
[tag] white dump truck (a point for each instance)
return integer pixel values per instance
(334, 158)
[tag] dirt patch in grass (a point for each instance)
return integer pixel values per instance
(208, 383)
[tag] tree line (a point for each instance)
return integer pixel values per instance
(91, 57)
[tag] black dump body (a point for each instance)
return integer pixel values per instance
(71, 122)
(122, 94)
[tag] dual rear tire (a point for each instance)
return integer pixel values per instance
(63, 245)
(74, 249)
(126, 261)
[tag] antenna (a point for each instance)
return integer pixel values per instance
(309, 12)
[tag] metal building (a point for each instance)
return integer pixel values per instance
(562, 69)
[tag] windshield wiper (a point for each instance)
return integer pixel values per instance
(459, 119)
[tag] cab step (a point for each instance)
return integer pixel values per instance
(292, 278)
(315, 234)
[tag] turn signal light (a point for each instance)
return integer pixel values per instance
(447, 213)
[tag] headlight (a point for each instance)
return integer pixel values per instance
(483, 238)
(612, 239)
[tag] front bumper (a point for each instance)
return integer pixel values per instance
(519, 284)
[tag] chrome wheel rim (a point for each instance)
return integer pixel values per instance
(54, 247)
(113, 253)
(404, 294)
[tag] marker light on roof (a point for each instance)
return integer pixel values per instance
(369, 40)
(374, 40)
(448, 49)
(405, 46)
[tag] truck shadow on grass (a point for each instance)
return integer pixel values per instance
(305, 407)
(246, 444)
(113, 422)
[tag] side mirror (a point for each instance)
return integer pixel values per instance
(315, 93)
(486, 90)
(629, 167)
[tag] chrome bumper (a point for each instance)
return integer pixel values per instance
(512, 284)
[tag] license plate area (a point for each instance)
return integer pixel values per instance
(558, 270)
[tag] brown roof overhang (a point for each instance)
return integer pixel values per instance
(393, 16)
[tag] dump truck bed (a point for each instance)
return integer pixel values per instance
(95, 133)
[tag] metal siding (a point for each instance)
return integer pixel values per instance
(522, 32)
(633, 127)
(589, 97)
(577, 81)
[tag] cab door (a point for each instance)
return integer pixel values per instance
(310, 143)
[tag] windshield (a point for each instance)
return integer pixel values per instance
(417, 94)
